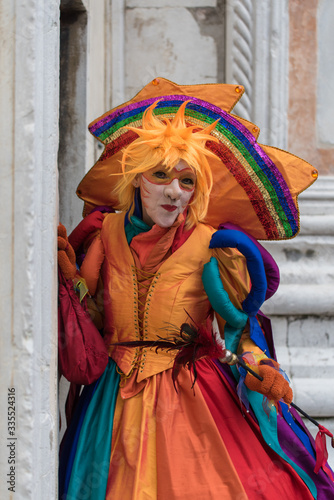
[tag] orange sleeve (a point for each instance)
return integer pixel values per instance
(90, 269)
(236, 281)
(234, 276)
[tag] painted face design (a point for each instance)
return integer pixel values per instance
(165, 194)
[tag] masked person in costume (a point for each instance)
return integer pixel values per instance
(173, 211)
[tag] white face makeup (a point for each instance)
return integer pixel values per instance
(165, 194)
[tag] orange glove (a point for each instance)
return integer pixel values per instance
(273, 386)
(66, 254)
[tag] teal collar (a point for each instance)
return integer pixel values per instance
(134, 227)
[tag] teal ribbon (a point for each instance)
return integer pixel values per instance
(134, 227)
(219, 298)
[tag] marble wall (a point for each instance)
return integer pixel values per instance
(281, 51)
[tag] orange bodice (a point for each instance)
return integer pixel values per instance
(175, 291)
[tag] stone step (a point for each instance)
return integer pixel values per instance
(313, 224)
(304, 260)
(306, 275)
(312, 332)
(314, 396)
(306, 246)
(305, 299)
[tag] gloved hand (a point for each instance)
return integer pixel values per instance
(273, 386)
(66, 254)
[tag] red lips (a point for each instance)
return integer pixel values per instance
(169, 208)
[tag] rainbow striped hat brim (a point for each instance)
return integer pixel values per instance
(255, 186)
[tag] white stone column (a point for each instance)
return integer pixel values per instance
(103, 79)
(89, 29)
(28, 290)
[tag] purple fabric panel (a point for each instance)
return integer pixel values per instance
(103, 209)
(270, 266)
(291, 444)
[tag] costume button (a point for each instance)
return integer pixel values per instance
(238, 89)
(314, 173)
(156, 81)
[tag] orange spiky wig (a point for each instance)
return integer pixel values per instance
(167, 142)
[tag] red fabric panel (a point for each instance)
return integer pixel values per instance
(82, 354)
(85, 228)
(263, 473)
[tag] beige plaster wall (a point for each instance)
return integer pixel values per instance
(303, 85)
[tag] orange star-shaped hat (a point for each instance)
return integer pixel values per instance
(255, 186)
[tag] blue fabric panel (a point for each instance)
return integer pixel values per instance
(229, 238)
(257, 335)
(70, 440)
(297, 430)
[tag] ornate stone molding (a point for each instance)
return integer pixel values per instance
(239, 51)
